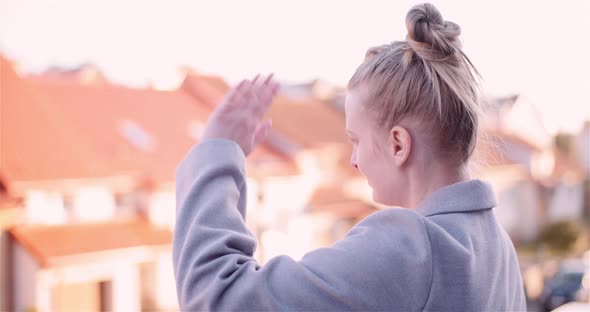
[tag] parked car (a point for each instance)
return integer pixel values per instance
(570, 283)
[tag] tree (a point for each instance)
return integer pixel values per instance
(560, 237)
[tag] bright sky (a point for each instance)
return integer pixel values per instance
(540, 49)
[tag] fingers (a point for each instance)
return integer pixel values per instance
(248, 91)
(256, 94)
(268, 79)
(266, 92)
(272, 92)
(255, 79)
(234, 95)
(259, 87)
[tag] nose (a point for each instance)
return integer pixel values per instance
(353, 161)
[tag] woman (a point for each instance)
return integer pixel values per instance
(411, 114)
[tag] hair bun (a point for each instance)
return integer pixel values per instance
(429, 35)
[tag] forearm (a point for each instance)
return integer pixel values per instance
(210, 231)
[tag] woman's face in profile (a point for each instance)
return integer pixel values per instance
(370, 149)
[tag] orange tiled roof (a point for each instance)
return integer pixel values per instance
(37, 141)
(47, 242)
(164, 114)
(306, 123)
(313, 124)
(100, 114)
(209, 90)
(310, 123)
(55, 129)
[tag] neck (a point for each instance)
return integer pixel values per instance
(425, 181)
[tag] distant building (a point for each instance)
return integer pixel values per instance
(83, 158)
(104, 266)
(535, 182)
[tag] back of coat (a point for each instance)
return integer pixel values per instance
(475, 267)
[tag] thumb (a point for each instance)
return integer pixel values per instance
(261, 131)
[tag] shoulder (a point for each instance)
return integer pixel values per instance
(395, 248)
(397, 223)
(388, 254)
(394, 235)
(397, 236)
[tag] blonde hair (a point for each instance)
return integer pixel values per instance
(427, 77)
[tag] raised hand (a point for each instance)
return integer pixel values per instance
(239, 116)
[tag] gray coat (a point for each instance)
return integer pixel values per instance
(448, 254)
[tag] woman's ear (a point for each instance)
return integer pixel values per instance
(401, 144)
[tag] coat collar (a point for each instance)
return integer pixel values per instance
(464, 196)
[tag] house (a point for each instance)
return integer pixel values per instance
(504, 160)
(60, 177)
(535, 182)
(568, 182)
(83, 157)
(522, 118)
(102, 266)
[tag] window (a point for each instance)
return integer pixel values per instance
(44, 207)
(136, 135)
(94, 204)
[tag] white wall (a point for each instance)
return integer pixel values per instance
(33, 286)
(566, 202)
(518, 210)
(162, 209)
(518, 200)
(166, 299)
(158, 285)
(122, 270)
(25, 280)
(44, 208)
(302, 234)
(287, 194)
(126, 290)
(93, 204)
(523, 119)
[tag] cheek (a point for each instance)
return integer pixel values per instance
(367, 161)
(374, 167)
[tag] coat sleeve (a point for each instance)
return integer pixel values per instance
(213, 251)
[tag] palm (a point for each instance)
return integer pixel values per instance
(238, 117)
